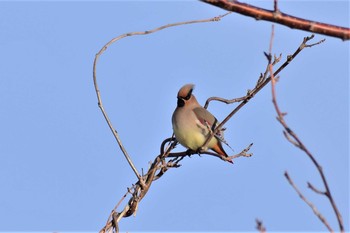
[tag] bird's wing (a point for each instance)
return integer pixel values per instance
(209, 122)
(206, 118)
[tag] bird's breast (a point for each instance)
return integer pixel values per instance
(190, 132)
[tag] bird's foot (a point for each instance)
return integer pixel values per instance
(190, 152)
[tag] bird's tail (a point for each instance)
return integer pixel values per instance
(220, 150)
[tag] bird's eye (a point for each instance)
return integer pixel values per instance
(188, 96)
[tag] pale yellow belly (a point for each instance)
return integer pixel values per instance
(192, 139)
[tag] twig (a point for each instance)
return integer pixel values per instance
(262, 82)
(294, 139)
(275, 5)
(289, 138)
(279, 17)
(260, 226)
(109, 222)
(243, 153)
(312, 206)
(309, 185)
(226, 101)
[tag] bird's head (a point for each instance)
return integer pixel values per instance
(185, 95)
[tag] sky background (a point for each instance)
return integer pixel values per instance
(62, 170)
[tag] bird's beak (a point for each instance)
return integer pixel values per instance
(180, 102)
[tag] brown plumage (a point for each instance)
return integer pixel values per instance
(192, 124)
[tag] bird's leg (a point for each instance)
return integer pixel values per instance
(199, 151)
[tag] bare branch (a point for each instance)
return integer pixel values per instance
(115, 133)
(226, 101)
(281, 18)
(275, 5)
(294, 139)
(144, 181)
(109, 223)
(309, 185)
(310, 204)
(166, 160)
(243, 153)
(262, 82)
(160, 166)
(289, 138)
(317, 43)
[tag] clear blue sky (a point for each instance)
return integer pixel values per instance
(61, 169)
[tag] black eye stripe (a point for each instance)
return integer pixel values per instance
(180, 102)
(188, 96)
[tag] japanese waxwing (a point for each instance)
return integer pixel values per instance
(191, 123)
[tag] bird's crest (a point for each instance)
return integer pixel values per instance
(186, 91)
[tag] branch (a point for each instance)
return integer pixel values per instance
(294, 139)
(243, 153)
(310, 204)
(226, 101)
(109, 223)
(166, 160)
(98, 93)
(263, 80)
(309, 185)
(279, 17)
(140, 189)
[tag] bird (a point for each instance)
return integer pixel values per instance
(193, 124)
